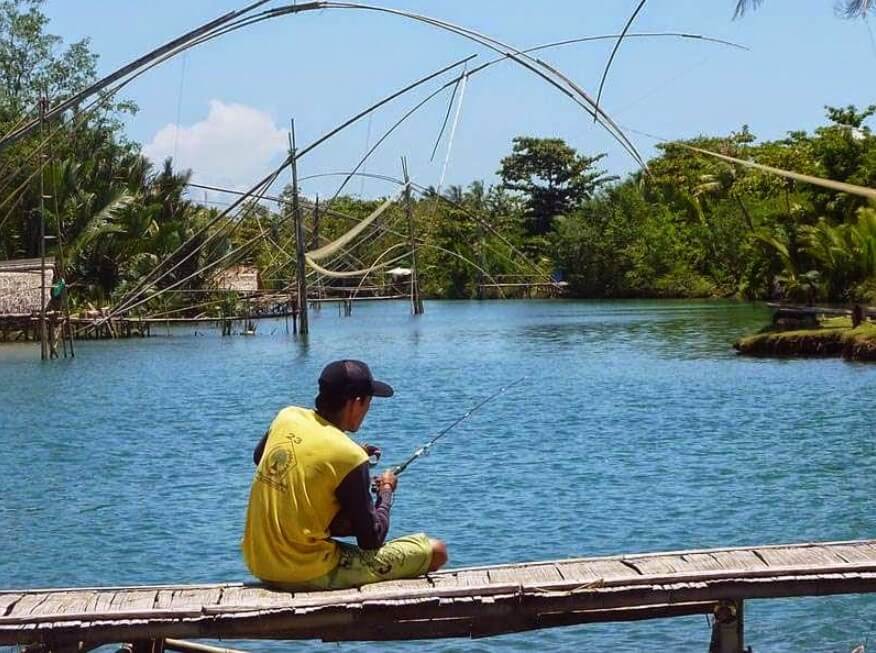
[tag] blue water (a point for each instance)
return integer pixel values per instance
(637, 429)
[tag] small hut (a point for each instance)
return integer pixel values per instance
(21, 285)
(239, 278)
(399, 280)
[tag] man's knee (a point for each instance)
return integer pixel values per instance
(439, 555)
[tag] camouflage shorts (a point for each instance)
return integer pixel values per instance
(404, 557)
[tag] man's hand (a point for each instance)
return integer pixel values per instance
(387, 479)
(373, 453)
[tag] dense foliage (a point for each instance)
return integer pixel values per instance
(690, 226)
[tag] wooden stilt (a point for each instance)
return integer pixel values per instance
(727, 628)
(294, 302)
(148, 646)
(483, 253)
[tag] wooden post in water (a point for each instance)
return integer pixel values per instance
(483, 252)
(44, 340)
(301, 276)
(727, 628)
(293, 307)
(314, 244)
(416, 300)
(147, 646)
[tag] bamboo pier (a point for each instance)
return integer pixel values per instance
(470, 602)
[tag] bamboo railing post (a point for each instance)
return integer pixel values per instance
(416, 300)
(301, 280)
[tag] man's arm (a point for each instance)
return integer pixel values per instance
(370, 522)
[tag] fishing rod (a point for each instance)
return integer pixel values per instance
(422, 451)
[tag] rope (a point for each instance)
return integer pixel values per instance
(446, 119)
(450, 140)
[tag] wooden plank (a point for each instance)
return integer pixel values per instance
(854, 552)
(333, 597)
(589, 572)
(460, 579)
(101, 602)
(7, 601)
(738, 560)
(702, 561)
(27, 604)
(526, 575)
(661, 565)
(395, 586)
(195, 598)
(252, 596)
(118, 588)
(134, 600)
(799, 556)
(191, 598)
(64, 602)
(164, 598)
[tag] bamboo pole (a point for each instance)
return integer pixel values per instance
(416, 300)
(44, 352)
(183, 646)
(64, 297)
(303, 327)
(101, 84)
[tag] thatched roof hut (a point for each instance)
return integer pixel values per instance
(20, 285)
(241, 278)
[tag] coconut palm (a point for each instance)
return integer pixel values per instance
(847, 8)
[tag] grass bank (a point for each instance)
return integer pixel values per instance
(833, 338)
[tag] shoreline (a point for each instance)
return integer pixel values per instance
(831, 340)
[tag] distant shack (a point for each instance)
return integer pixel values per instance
(21, 286)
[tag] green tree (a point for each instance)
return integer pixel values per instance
(552, 177)
(32, 61)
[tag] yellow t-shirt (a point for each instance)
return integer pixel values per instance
(292, 500)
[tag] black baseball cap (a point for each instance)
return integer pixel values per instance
(349, 378)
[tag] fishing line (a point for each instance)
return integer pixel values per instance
(422, 451)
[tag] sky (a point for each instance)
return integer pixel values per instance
(224, 109)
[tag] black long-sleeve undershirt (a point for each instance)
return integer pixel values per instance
(370, 521)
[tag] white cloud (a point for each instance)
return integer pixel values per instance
(233, 146)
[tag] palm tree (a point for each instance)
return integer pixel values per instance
(847, 8)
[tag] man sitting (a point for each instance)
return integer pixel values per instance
(312, 482)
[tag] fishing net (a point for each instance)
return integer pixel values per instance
(352, 234)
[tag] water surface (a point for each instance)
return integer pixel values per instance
(637, 429)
